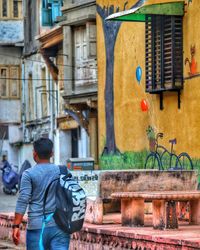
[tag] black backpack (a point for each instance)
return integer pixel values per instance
(70, 202)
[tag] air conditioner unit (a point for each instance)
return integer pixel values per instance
(15, 134)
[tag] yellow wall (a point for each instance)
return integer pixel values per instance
(130, 122)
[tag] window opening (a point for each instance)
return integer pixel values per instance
(5, 8)
(15, 8)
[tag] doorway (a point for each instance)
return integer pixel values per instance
(74, 143)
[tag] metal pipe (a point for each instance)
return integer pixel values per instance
(51, 110)
(23, 99)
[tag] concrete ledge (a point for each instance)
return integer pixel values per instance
(6, 221)
(146, 180)
(94, 211)
(115, 237)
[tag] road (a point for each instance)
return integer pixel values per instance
(7, 202)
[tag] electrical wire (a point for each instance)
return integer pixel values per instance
(47, 79)
(58, 64)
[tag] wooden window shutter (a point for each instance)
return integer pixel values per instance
(4, 82)
(14, 82)
(46, 17)
(4, 8)
(56, 10)
(91, 39)
(164, 53)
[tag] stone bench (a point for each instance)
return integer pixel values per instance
(163, 204)
(113, 181)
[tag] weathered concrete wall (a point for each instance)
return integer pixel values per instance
(65, 146)
(100, 183)
(83, 144)
(119, 181)
(10, 56)
(15, 134)
(11, 32)
(62, 146)
(10, 109)
(34, 65)
(14, 108)
(130, 121)
(26, 153)
(75, 14)
(89, 180)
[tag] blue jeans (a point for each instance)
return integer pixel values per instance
(53, 239)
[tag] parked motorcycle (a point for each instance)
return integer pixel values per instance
(10, 179)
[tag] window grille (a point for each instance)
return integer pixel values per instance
(164, 53)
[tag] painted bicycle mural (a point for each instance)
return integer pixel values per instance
(163, 159)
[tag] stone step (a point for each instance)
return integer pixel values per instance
(10, 246)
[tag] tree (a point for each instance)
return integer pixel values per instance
(111, 30)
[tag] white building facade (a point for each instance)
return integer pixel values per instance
(11, 46)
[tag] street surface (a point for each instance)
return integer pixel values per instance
(7, 202)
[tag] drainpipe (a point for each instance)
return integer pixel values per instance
(57, 141)
(51, 110)
(23, 99)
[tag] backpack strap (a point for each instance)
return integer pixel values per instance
(64, 171)
(46, 194)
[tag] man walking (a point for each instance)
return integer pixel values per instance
(33, 185)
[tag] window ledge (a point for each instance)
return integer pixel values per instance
(157, 91)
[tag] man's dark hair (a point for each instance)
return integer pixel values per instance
(43, 147)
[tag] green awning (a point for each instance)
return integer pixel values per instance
(138, 14)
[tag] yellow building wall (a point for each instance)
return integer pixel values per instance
(130, 122)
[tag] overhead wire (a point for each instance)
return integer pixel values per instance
(47, 79)
(58, 64)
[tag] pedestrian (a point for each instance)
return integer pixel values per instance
(33, 185)
(5, 163)
(26, 165)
